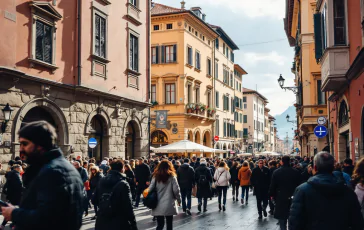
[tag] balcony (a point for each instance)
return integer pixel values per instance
(334, 65)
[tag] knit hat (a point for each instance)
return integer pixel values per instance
(203, 161)
(40, 133)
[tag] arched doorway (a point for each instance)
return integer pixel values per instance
(198, 137)
(98, 131)
(224, 148)
(207, 141)
(190, 136)
(132, 139)
(344, 143)
(159, 138)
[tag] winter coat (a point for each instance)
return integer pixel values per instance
(305, 176)
(83, 173)
(359, 190)
(122, 207)
(168, 193)
(105, 168)
(205, 190)
(94, 181)
(55, 196)
(234, 172)
(222, 177)
(186, 176)
(260, 179)
(130, 179)
(325, 203)
(252, 165)
(13, 187)
(342, 176)
(283, 184)
(348, 169)
(142, 175)
(244, 175)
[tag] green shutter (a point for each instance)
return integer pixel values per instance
(163, 48)
(175, 53)
(318, 36)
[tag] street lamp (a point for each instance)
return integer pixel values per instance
(7, 111)
(287, 117)
(281, 80)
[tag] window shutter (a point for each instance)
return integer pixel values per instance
(227, 103)
(47, 44)
(318, 36)
(39, 41)
(163, 51)
(224, 128)
(157, 54)
(103, 37)
(97, 35)
(217, 71)
(175, 53)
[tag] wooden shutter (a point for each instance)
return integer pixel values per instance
(103, 38)
(318, 36)
(97, 35)
(163, 52)
(227, 103)
(175, 53)
(47, 44)
(157, 54)
(39, 41)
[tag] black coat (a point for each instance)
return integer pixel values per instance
(305, 176)
(94, 181)
(13, 187)
(283, 184)
(203, 191)
(260, 179)
(325, 203)
(186, 177)
(234, 171)
(142, 175)
(348, 169)
(130, 179)
(55, 197)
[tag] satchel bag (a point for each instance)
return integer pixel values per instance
(151, 200)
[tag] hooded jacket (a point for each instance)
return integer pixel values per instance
(244, 175)
(222, 177)
(325, 203)
(186, 176)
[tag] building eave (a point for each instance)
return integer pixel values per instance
(225, 37)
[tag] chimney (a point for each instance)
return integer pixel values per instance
(183, 3)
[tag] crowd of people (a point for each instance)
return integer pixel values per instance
(45, 190)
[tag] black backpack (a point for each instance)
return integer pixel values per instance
(105, 205)
(202, 181)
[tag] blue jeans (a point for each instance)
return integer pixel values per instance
(222, 190)
(245, 190)
(186, 193)
(204, 202)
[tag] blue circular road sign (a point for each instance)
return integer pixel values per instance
(320, 131)
(92, 142)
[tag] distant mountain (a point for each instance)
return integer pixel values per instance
(283, 126)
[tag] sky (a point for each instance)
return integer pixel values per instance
(248, 22)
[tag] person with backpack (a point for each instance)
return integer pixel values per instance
(203, 179)
(222, 177)
(186, 181)
(234, 180)
(113, 198)
(165, 183)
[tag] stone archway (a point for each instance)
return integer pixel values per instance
(159, 138)
(207, 141)
(190, 136)
(99, 130)
(198, 137)
(218, 146)
(44, 106)
(132, 140)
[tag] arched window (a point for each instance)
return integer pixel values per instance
(343, 114)
(159, 138)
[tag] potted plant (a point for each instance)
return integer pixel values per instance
(154, 103)
(190, 107)
(202, 107)
(197, 106)
(210, 111)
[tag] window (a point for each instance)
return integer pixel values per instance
(224, 128)
(189, 28)
(209, 66)
(169, 54)
(170, 93)
(217, 128)
(133, 55)
(255, 125)
(197, 95)
(227, 52)
(217, 43)
(134, 2)
(241, 118)
(231, 80)
(231, 56)
(240, 87)
(217, 98)
(244, 99)
(339, 22)
(209, 99)
(154, 93)
(245, 119)
(100, 36)
(189, 100)
(196, 33)
(169, 26)
(321, 96)
(203, 38)
(209, 42)
(189, 56)
(226, 76)
(198, 63)
(44, 46)
(216, 70)
(245, 132)
(245, 106)
(155, 55)
(156, 27)
(223, 48)
(324, 27)
(255, 107)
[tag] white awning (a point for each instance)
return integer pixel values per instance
(183, 146)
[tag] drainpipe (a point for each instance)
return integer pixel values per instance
(79, 42)
(213, 65)
(148, 68)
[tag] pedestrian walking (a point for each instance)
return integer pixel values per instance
(234, 180)
(84, 176)
(203, 179)
(348, 166)
(186, 181)
(142, 178)
(307, 173)
(95, 177)
(165, 183)
(260, 180)
(324, 202)
(130, 177)
(272, 167)
(244, 178)
(55, 198)
(113, 197)
(104, 166)
(283, 184)
(358, 182)
(222, 177)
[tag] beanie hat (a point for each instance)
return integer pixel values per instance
(40, 133)
(203, 161)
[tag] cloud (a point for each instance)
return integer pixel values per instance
(252, 58)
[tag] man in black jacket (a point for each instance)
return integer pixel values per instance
(324, 202)
(55, 196)
(284, 182)
(260, 180)
(142, 178)
(115, 190)
(186, 181)
(348, 166)
(14, 185)
(272, 167)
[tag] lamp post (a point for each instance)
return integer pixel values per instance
(7, 111)
(287, 117)
(281, 80)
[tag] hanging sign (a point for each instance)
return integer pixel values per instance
(161, 119)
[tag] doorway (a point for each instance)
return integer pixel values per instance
(97, 132)
(132, 140)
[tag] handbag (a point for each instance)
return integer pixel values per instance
(194, 191)
(213, 185)
(151, 200)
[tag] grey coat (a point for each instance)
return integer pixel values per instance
(168, 193)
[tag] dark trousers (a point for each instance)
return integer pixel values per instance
(204, 202)
(283, 224)
(139, 191)
(160, 222)
(235, 190)
(186, 193)
(271, 205)
(245, 192)
(262, 199)
(222, 190)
